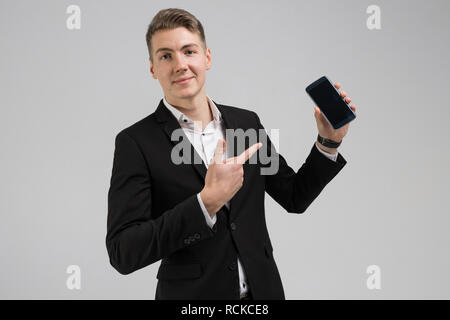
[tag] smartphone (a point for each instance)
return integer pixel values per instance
(329, 101)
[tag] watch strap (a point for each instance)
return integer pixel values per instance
(327, 142)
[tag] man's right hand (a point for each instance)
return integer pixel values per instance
(224, 177)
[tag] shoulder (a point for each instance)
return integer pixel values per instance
(243, 113)
(142, 128)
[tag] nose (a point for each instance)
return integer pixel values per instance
(180, 63)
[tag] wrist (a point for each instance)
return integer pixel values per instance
(210, 204)
(326, 149)
(328, 143)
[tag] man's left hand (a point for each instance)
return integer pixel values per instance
(325, 129)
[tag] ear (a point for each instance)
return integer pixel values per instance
(151, 69)
(208, 58)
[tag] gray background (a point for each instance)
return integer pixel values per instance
(66, 94)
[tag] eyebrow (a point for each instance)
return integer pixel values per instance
(168, 49)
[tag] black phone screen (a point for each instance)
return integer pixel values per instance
(330, 103)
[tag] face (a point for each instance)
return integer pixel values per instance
(183, 57)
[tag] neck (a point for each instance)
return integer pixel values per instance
(196, 108)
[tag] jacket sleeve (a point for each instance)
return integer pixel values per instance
(134, 239)
(295, 191)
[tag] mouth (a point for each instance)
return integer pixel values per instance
(183, 81)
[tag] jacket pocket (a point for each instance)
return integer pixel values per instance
(178, 272)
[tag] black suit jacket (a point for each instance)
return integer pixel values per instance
(154, 213)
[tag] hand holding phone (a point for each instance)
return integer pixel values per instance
(327, 98)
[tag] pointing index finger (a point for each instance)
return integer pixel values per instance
(244, 156)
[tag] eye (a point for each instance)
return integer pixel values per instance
(190, 51)
(164, 56)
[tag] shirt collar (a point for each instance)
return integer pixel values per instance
(180, 116)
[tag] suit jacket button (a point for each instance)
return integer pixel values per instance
(191, 239)
(197, 236)
(233, 226)
(187, 241)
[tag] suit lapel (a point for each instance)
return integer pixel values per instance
(168, 123)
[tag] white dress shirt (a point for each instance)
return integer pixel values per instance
(205, 143)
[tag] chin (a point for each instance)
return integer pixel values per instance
(186, 92)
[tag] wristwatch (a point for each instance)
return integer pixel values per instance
(327, 142)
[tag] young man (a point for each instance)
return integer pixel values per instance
(205, 221)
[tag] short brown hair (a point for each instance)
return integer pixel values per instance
(172, 18)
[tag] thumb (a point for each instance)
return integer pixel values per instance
(218, 152)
